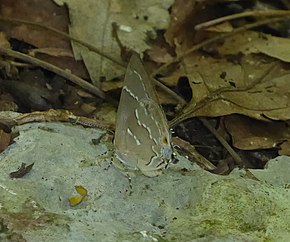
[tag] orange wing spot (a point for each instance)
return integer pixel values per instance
(164, 140)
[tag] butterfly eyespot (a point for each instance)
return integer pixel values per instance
(164, 140)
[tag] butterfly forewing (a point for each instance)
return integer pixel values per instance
(142, 138)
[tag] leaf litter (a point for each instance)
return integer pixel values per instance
(242, 74)
(239, 82)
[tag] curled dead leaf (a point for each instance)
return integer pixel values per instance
(22, 171)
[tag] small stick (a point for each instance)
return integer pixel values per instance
(65, 35)
(91, 48)
(67, 75)
(217, 38)
(259, 13)
(224, 143)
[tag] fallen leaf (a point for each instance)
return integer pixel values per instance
(47, 14)
(252, 87)
(284, 148)
(5, 139)
(254, 42)
(249, 134)
(159, 55)
(137, 21)
(22, 171)
(181, 12)
(4, 43)
(44, 12)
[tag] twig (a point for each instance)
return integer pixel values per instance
(232, 152)
(169, 91)
(53, 115)
(190, 149)
(217, 95)
(216, 38)
(224, 143)
(259, 13)
(63, 34)
(69, 76)
(91, 48)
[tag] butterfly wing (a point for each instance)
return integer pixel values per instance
(142, 138)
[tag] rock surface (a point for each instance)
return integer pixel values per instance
(185, 203)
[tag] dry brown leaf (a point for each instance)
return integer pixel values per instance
(92, 22)
(253, 42)
(159, 54)
(250, 134)
(199, 68)
(5, 139)
(3, 41)
(66, 63)
(185, 15)
(285, 148)
(181, 11)
(43, 12)
(252, 88)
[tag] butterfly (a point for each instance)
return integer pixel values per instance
(142, 137)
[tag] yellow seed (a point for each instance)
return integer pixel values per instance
(74, 200)
(81, 190)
